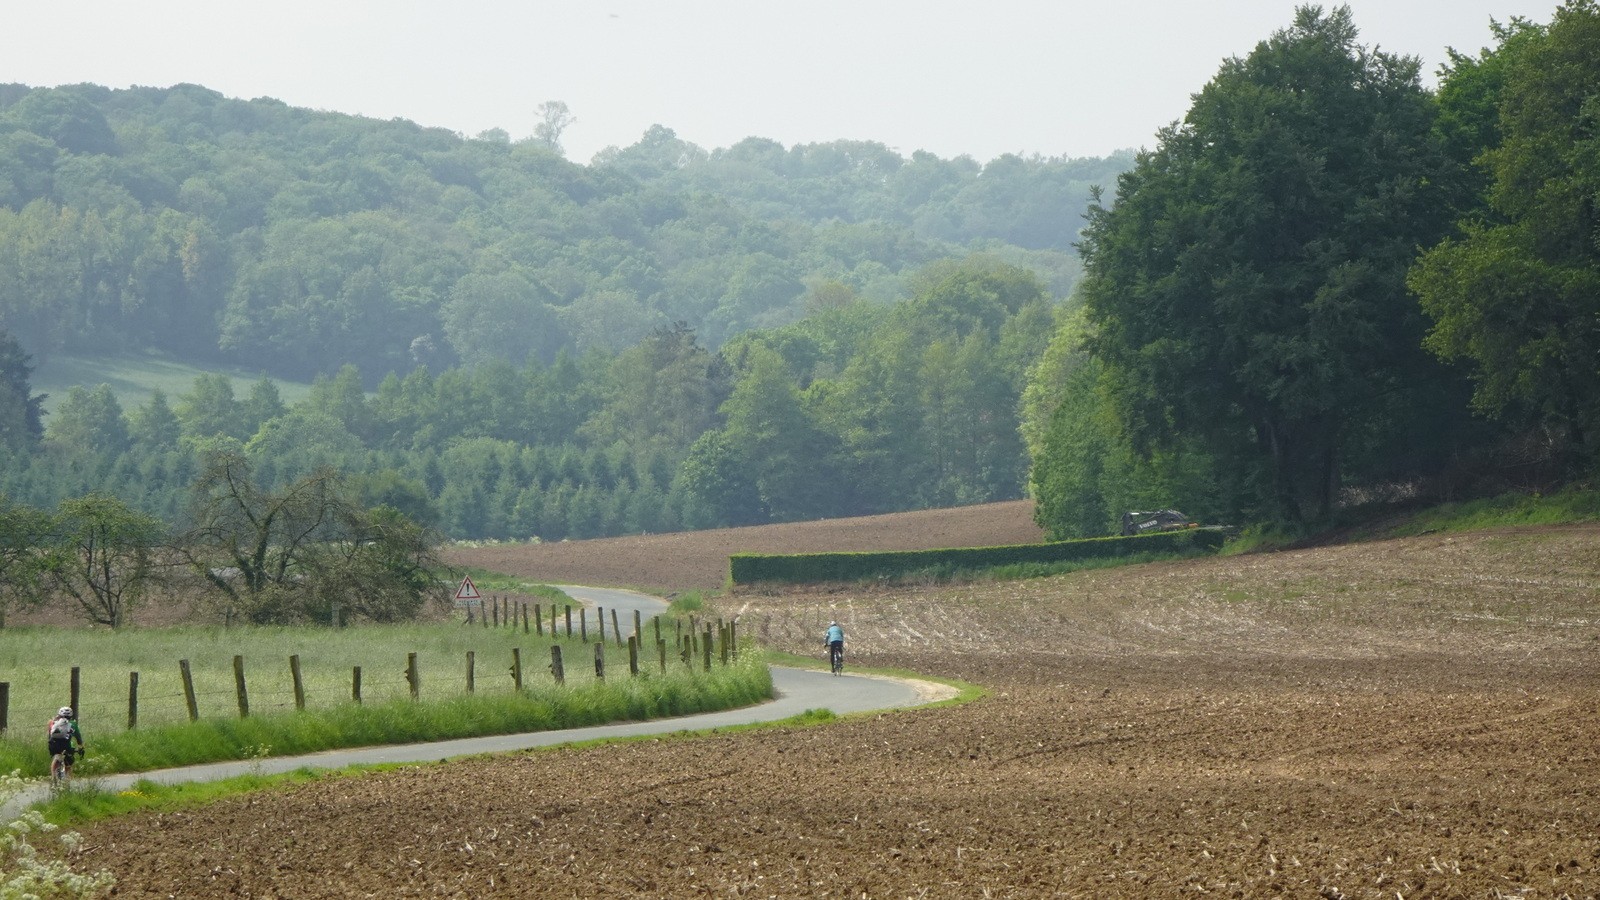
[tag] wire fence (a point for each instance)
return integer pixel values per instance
(109, 700)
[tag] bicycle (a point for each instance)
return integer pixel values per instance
(836, 659)
(61, 766)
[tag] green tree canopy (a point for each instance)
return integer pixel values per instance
(1247, 289)
(21, 410)
(106, 556)
(1517, 296)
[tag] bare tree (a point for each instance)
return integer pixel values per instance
(554, 119)
(292, 555)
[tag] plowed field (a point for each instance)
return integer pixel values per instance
(1409, 718)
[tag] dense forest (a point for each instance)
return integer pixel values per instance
(1326, 285)
(507, 344)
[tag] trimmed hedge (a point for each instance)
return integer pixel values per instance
(800, 568)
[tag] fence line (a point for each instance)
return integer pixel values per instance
(154, 701)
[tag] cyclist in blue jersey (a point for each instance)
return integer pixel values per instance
(835, 645)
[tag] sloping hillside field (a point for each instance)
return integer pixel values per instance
(1409, 718)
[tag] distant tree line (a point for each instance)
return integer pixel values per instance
(860, 408)
(1327, 283)
(294, 242)
(306, 553)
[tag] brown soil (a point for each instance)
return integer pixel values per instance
(1408, 718)
(699, 559)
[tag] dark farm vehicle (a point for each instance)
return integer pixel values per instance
(1152, 522)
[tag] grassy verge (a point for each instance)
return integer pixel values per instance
(489, 582)
(86, 802)
(1572, 505)
(680, 691)
(1569, 506)
(165, 736)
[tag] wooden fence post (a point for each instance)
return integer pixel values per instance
(299, 683)
(661, 650)
(471, 667)
(569, 620)
(600, 660)
(616, 632)
(516, 667)
(483, 612)
(638, 631)
(188, 690)
(494, 604)
(705, 649)
(74, 701)
(733, 638)
(238, 685)
(657, 620)
(583, 624)
(355, 682)
(524, 618)
(133, 700)
(555, 664)
(413, 677)
(722, 641)
(5, 706)
(600, 616)
(633, 655)
(538, 620)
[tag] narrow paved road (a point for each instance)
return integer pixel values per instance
(798, 690)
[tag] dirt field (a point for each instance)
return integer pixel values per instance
(699, 559)
(1402, 719)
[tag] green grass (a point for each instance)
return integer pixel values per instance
(489, 582)
(686, 603)
(1578, 503)
(1574, 504)
(37, 662)
(85, 801)
(135, 377)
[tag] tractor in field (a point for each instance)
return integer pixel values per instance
(1136, 522)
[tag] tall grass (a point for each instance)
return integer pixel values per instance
(37, 663)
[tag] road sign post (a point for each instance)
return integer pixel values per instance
(467, 594)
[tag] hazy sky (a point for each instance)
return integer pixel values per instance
(1068, 78)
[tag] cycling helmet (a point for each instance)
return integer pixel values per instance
(833, 623)
(64, 712)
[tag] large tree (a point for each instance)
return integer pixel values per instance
(1247, 288)
(21, 411)
(1517, 296)
(25, 553)
(105, 556)
(291, 555)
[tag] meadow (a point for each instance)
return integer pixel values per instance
(135, 377)
(459, 696)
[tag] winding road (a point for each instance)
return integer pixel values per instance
(797, 690)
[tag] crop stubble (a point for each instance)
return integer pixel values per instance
(1411, 718)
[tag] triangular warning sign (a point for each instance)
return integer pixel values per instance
(468, 590)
